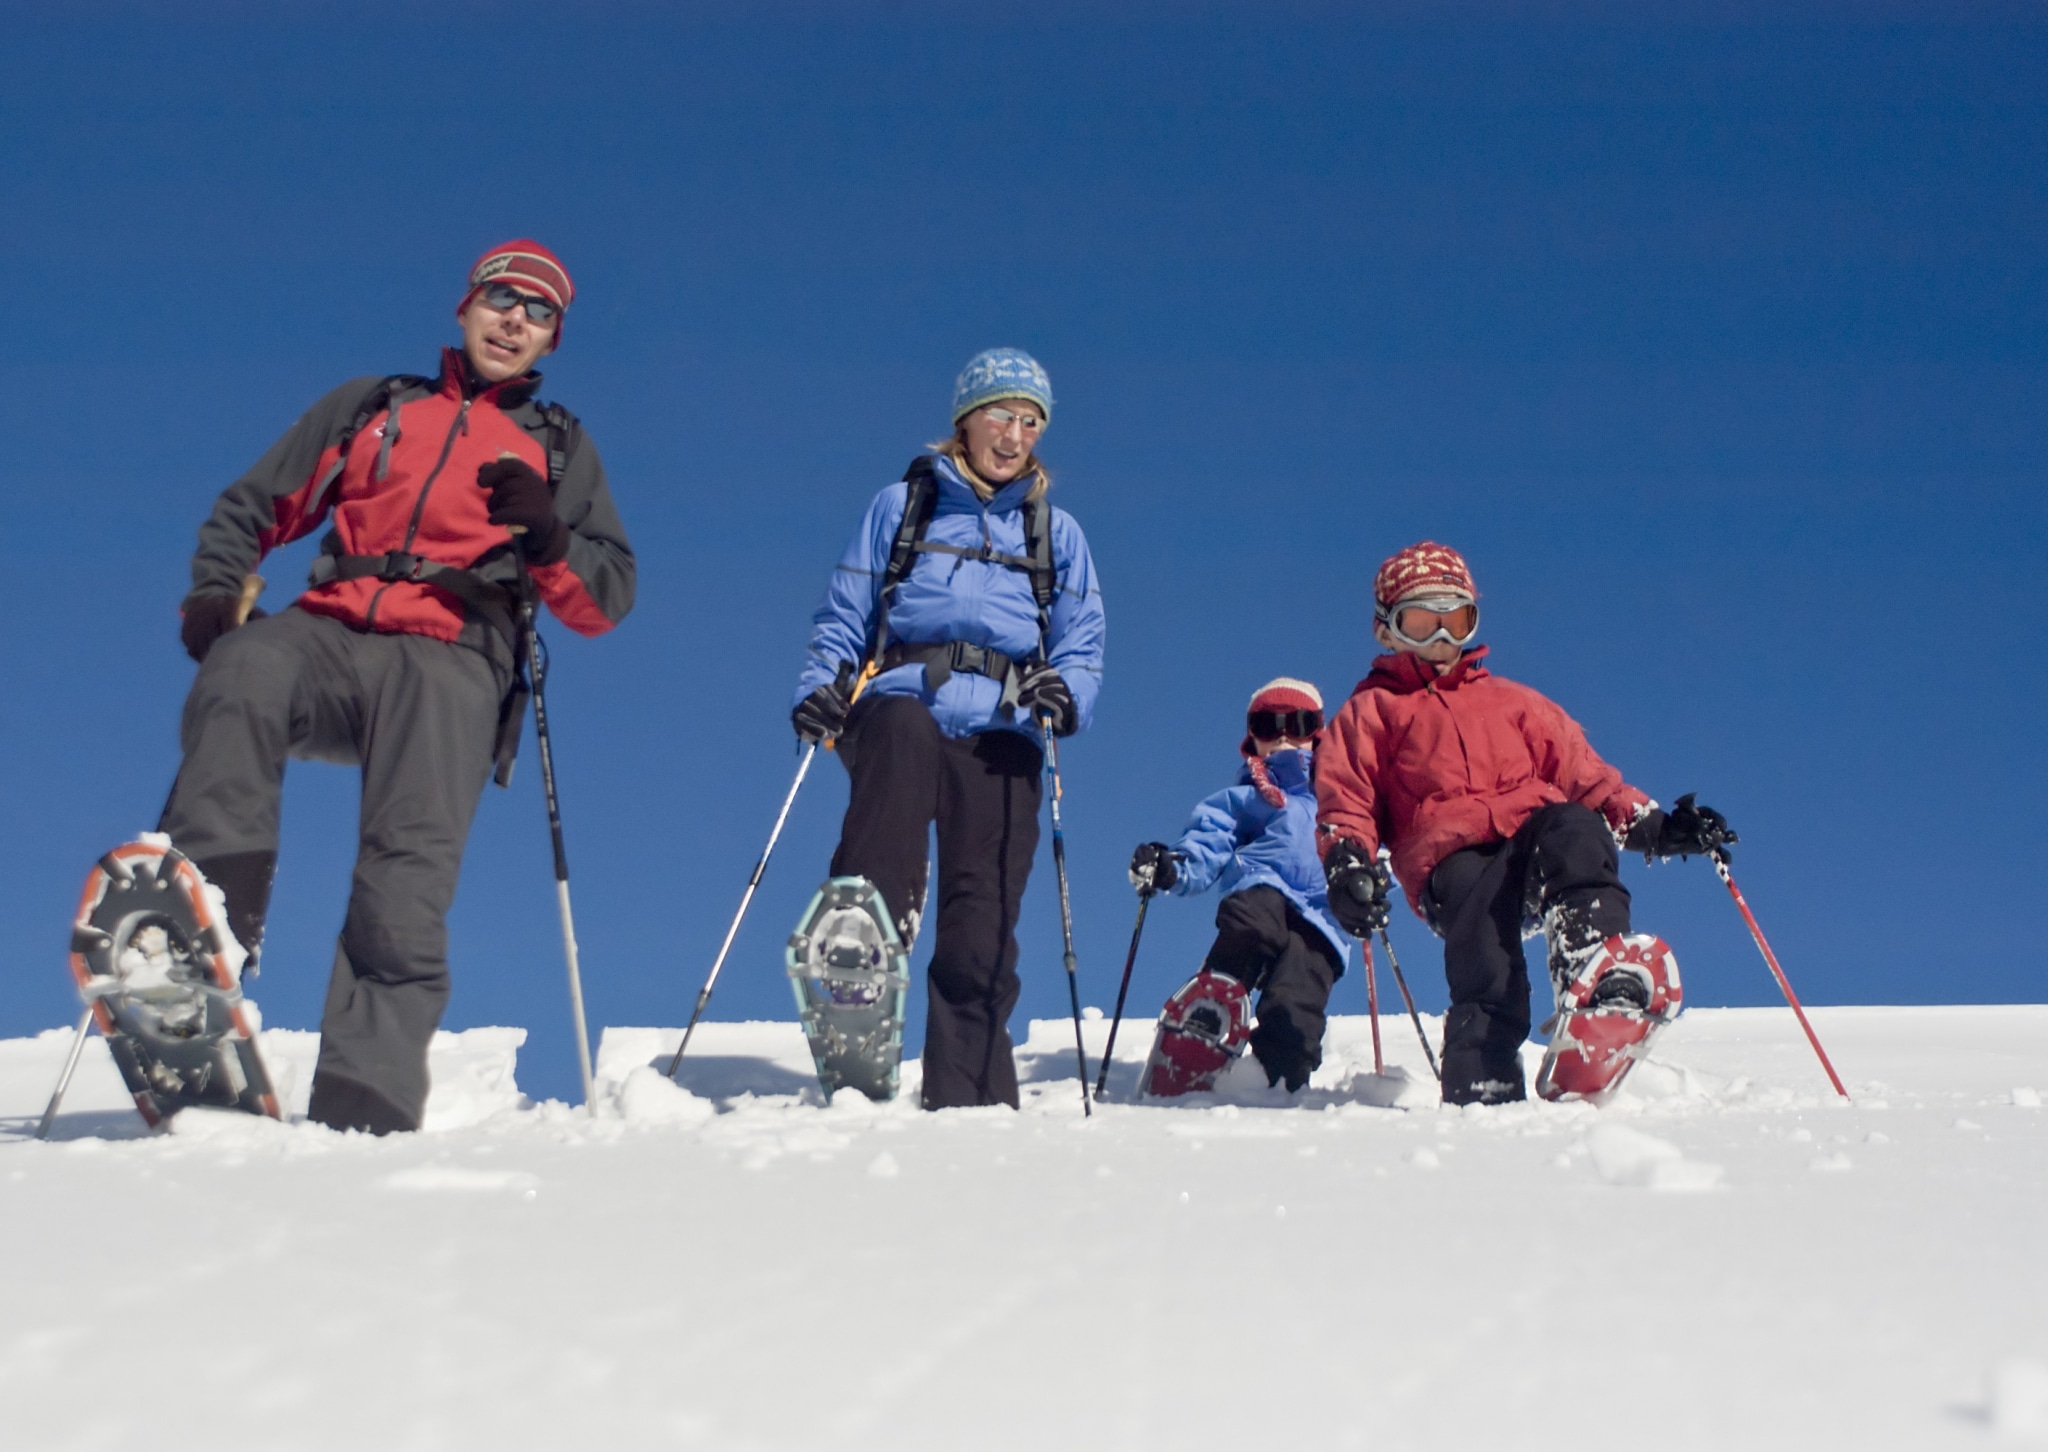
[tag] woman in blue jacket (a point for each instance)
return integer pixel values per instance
(992, 625)
(1255, 841)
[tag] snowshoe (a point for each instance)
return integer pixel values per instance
(1204, 1026)
(851, 973)
(1608, 1014)
(152, 954)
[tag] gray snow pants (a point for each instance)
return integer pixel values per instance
(420, 717)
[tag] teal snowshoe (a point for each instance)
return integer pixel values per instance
(851, 973)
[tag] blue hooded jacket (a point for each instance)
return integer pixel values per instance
(947, 598)
(1237, 839)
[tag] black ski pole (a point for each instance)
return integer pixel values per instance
(537, 672)
(1059, 862)
(746, 898)
(1409, 999)
(868, 673)
(1108, 1053)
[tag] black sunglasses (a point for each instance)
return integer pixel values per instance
(1272, 725)
(503, 297)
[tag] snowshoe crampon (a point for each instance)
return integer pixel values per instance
(1612, 1009)
(1204, 1026)
(152, 954)
(851, 973)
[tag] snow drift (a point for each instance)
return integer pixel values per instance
(1724, 1256)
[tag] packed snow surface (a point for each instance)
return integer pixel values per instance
(1725, 1256)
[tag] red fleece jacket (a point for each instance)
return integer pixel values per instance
(1430, 764)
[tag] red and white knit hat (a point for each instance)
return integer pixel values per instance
(1422, 569)
(527, 265)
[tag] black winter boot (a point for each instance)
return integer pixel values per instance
(244, 878)
(344, 1104)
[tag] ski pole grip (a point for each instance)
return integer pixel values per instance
(252, 586)
(513, 528)
(867, 673)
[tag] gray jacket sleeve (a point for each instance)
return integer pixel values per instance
(591, 588)
(272, 504)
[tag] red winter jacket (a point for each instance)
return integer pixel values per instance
(1430, 764)
(419, 496)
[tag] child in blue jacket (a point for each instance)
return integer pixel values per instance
(1256, 841)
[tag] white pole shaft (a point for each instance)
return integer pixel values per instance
(575, 984)
(733, 931)
(70, 1068)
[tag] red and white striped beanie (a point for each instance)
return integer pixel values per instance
(1285, 693)
(526, 265)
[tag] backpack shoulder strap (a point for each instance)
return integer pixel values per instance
(374, 402)
(1045, 585)
(920, 502)
(563, 427)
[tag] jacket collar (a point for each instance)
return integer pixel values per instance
(1010, 496)
(1292, 771)
(458, 380)
(1404, 673)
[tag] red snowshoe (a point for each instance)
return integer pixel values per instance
(1612, 1009)
(1204, 1026)
(154, 957)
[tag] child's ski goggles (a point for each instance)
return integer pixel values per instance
(1426, 620)
(1276, 725)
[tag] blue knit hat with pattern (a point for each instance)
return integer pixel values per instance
(1001, 373)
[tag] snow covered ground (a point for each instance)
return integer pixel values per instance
(1726, 1257)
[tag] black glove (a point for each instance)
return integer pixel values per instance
(1358, 889)
(1686, 830)
(1154, 868)
(520, 501)
(207, 619)
(1041, 692)
(822, 714)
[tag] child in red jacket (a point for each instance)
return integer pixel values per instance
(1495, 810)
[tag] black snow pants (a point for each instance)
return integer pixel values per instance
(420, 717)
(1563, 866)
(983, 792)
(1264, 942)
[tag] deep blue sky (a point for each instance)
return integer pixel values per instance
(1717, 345)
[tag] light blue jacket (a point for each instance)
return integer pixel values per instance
(1237, 839)
(946, 598)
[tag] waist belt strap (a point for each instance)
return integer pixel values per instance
(490, 600)
(940, 661)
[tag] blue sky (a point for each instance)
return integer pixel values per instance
(1716, 342)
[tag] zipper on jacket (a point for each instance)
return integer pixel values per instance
(419, 507)
(1457, 730)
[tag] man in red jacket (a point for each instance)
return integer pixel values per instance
(1495, 811)
(446, 497)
